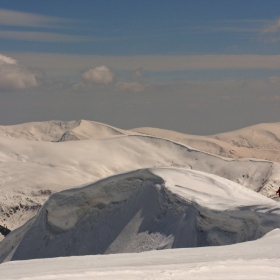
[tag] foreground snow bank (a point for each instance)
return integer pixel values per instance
(149, 209)
(250, 260)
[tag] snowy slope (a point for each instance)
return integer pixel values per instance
(148, 209)
(32, 170)
(257, 141)
(250, 260)
(60, 130)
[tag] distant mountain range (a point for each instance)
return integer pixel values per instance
(119, 182)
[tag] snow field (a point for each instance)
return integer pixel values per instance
(256, 260)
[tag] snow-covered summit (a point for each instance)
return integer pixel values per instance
(258, 141)
(60, 130)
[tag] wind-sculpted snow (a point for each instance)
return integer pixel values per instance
(145, 210)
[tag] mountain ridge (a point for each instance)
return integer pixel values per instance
(258, 141)
(56, 131)
(30, 171)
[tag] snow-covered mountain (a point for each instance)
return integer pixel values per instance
(60, 130)
(260, 141)
(117, 191)
(32, 170)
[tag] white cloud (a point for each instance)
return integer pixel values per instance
(16, 76)
(6, 60)
(99, 75)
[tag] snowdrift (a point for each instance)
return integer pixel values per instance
(143, 210)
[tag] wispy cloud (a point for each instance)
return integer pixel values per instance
(138, 74)
(259, 30)
(220, 26)
(273, 27)
(35, 27)
(41, 36)
(270, 33)
(218, 29)
(70, 64)
(15, 18)
(130, 86)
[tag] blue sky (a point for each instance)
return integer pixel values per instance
(142, 27)
(199, 67)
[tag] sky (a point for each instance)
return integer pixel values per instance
(198, 67)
